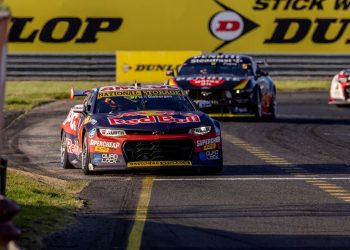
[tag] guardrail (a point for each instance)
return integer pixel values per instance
(101, 67)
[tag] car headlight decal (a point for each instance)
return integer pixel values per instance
(203, 130)
(112, 132)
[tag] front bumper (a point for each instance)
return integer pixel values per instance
(225, 103)
(182, 152)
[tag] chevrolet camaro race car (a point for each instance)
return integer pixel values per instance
(340, 88)
(118, 128)
(227, 85)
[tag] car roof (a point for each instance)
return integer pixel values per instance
(220, 56)
(137, 87)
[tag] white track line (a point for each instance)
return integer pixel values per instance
(253, 179)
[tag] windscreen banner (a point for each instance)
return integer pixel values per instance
(245, 26)
(149, 66)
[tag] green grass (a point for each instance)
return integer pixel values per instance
(47, 205)
(26, 95)
(302, 85)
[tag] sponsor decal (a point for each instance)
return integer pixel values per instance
(228, 25)
(154, 119)
(72, 146)
(155, 92)
(207, 82)
(212, 155)
(202, 156)
(210, 146)
(208, 141)
(119, 93)
(109, 158)
(159, 163)
(256, 26)
(78, 30)
(149, 113)
(93, 121)
(101, 149)
(97, 158)
(72, 119)
(117, 88)
(92, 132)
(112, 132)
(105, 144)
(149, 66)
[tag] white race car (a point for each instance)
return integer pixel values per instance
(340, 88)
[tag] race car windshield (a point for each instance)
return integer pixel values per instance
(240, 69)
(136, 103)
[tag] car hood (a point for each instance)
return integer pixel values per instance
(212, 82)
(154, 120)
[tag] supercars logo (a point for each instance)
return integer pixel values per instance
(228, 25)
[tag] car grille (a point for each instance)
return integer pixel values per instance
(209, 95)
(156, 132)
(160, 150)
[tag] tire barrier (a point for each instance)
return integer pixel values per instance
(3, 175)
(8, 231)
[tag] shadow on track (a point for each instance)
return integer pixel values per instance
(160, 234)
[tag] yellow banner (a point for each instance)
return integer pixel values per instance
(245, 26)
(149, 66)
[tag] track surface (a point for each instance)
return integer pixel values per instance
(285, 185)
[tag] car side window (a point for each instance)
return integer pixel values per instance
(88, 102)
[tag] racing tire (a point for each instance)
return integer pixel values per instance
(64, 162)
(273, 104)
(212, 170)
(85, 157)
(257, 108)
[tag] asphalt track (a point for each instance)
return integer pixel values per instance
(286, 185)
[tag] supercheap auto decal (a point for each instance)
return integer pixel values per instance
(254, 26)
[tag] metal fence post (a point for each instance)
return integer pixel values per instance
(3, 175)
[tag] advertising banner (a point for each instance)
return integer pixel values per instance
(245, 26)
(149, 66)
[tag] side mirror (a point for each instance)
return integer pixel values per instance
(79, 108)
(170, 73)
(261, 73)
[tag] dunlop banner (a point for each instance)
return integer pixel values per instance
(149, 66)
(246, 26)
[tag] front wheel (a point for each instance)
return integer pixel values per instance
(64, 162)
(85, 157)
(273, 107)
(257, 106)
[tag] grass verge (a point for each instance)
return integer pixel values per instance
(26, 95)
(302, 85)
(47, 205)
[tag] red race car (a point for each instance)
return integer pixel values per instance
(118, 128)
(340, 89)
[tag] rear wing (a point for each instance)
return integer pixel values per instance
(74, 93)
